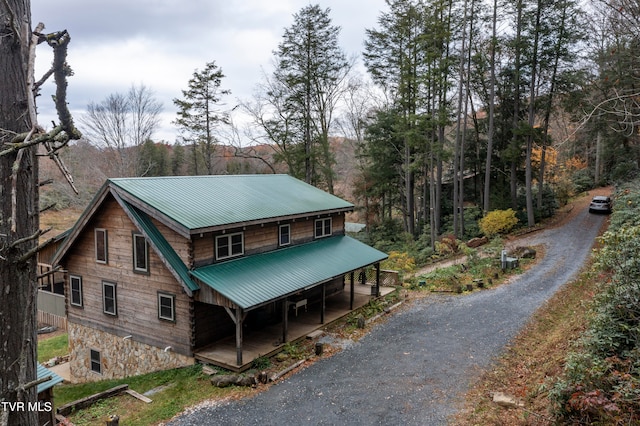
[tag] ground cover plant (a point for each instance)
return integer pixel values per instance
(601, 380)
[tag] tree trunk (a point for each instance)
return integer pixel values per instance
(596, 174)
(531, 221)
(516, 103)
(18, 219)
(492, 96)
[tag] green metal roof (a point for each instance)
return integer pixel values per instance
(45, 372)
(254, 280)
(198, 202)
(158, 241)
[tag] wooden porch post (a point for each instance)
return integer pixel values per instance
(323, 305)
(351, 296)
(239, 322)
(238, 317)
(377, 279)
(285, 320)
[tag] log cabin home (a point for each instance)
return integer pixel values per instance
(163, 272)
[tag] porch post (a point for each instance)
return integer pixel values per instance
(352, 291)
(324, 294)
(239, 322)
(285, 320)
(377, 279)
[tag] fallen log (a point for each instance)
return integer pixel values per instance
(66, 409)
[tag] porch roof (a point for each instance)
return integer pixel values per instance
(254, 280)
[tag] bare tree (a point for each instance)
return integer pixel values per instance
(121, 123)
(20, 137)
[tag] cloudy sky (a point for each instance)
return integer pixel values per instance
(160, 43)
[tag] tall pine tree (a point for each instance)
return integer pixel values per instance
(199, 115)
(310, 73)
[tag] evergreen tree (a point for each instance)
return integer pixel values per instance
(394, 58)
(199, 116)
(310, 71)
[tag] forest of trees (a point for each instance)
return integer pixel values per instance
(467, 107)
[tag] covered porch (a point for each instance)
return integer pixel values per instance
(268, 341)
(301, 287)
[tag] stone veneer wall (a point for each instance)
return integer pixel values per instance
(119, 357)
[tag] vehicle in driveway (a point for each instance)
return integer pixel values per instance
(600, 204)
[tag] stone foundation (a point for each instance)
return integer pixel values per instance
(119, 357)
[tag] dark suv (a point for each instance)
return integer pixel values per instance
(600, 204)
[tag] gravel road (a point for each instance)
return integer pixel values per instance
(414, 368)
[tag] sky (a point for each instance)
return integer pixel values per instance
(160, 43)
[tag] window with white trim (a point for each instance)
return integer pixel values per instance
(229, 245)
(323, 227)
(284, 235)
(109, 300)
(75, 285)
(140, 254)
(166, 306)
(96, 361)
(101, 245)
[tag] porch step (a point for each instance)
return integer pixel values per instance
(314, 334)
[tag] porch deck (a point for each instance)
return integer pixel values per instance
(268, 341)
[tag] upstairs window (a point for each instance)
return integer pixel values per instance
(109, 302)
(323, 227)
(75, 284)
(284, 238)
(140, 254)
(230, 245)
(101, 245)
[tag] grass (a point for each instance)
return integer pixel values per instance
(53, 347)
(182, 388)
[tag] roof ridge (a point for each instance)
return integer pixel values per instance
(196, 176)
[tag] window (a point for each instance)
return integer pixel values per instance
(101, 245)
(166, 306)
(75, 282)
(323, 227)
(229, 245)
(109, 305)
(284, 235)
(140, 254)
(96, 362)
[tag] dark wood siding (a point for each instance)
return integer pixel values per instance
(212, 323)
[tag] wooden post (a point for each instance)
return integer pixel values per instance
(239, 322)
(285, 320)
(351, 296)
(323, 304)
(377, 279)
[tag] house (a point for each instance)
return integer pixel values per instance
(161, 272)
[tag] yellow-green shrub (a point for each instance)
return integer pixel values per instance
(399, 261)
(498, 222)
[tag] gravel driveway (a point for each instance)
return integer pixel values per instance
(413, 369)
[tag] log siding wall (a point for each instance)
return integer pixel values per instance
(262, 238)
(137, 294)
